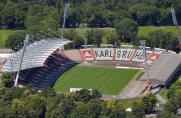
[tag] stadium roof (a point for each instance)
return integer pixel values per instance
(163, 68)
(35, 54)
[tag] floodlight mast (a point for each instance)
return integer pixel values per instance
(145, 58)
(64, 17)
(174, 18)
(26, 41)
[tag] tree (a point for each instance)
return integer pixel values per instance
(162, 39)
(7, 81)
(95, 94)
(112, 38)
(8, 94)
(98, 37)
(145, 14)
(178, 99)
(148, 103)
(30, 106)
(73, 36)
(41, 18)
(138, 110)
(15, 41)
(19, 108)
(78, 41)
(80, 111)
(171, 93)
(171, 105)
(89, 37)
(83, 95)
(6, 112)
(62, 110)
(94, 37)
(165, 114)
(94, 107)
(117, 112)
(93, 14)
(47, 92)
(13, 14)
(127, 30)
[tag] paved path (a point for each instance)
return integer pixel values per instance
(133, 89)
(161, 99)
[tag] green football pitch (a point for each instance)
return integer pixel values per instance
(109, 81)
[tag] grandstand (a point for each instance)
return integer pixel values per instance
(43, 63)
(164, 70)
(35, 55)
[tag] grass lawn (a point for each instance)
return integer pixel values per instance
(108, 81)
(145, 30)
(4, 34)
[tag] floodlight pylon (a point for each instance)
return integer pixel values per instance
(26, 41)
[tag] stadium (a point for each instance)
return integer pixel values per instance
(118, 72)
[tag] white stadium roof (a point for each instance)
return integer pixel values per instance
(34, 56)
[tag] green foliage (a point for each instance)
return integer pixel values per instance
(83, 95)
(48, 92)
(13, 14)
(162, 39)
(94, 37)
(109, 35)
(41, 18)
(112, 38)
(78, 41)
(127, 30)
(6, 80)
(145, 14)
(117, 112)
(75, 37)
(165, 114)
(104, 13)
(171, 105)
(8, 94)
(148, 103)
(94, 107)
(171, 93)
(15, 102)
(70, 34)
(30, 106)
(173, 101)
(6, 112)
(15, 41)
(95, 94)
(80, 111)
(138, 110)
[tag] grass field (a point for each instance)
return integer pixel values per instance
(109, 81)
(145, 30)
(4, 34)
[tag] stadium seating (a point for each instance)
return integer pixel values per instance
(41, 77)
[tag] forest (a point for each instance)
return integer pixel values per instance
(17, 14)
